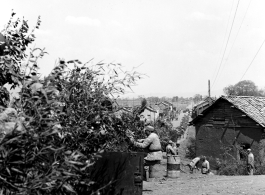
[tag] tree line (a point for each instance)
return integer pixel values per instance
(244, 88)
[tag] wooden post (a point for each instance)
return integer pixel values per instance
(209, 88)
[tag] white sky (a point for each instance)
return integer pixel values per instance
(179, 42)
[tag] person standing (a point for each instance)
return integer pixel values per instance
(205, 165)
(250, 162)
(169, 149)
(151, 144)
(176, 146)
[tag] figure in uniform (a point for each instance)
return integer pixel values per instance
(250, 162)
(205, 165)
(194, 164)
(170, 149)
(151, 144)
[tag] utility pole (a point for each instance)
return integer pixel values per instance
(209, 88)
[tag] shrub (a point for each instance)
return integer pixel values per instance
(229, 168)
(63, 121)
(259, 170)
(191, 148)
(165, 132)
(232, 166)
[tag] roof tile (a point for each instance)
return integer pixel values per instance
(254, 107)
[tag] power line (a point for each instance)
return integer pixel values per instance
(226, 43)
(224, 38)
(237, 33)
(253, 59)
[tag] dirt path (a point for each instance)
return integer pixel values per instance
(189, 133)
(198, 184)
(176, 123)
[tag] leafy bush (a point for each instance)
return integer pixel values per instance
(191, 148)
(229, 165)
(239, 168)
(164, 129)
(259, 169)
(63, 121)
(232, 169)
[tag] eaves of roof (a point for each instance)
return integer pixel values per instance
(253, 107)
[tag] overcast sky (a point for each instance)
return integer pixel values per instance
(180, 43)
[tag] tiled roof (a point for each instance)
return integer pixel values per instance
(150, 109)
(201, 104)
(253, 107)
(204, 102)
(164, 103)
(168, 103)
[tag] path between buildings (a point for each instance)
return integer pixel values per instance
(198, 184)
(176, 123)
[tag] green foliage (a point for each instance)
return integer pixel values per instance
(229, 165)
(4, 96)
(197, 98)
(243, 88)
(166, 132)
(191, 148)
(17, 38)
(64, 121)
(175, 99)
(233, 169)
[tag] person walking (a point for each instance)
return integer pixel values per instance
(205, 165)
(250, 162)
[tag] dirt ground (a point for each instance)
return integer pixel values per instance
(198, 184)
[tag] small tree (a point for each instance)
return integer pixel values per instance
(15, 38)
(197, 98)
(66, 119)
(243, 88)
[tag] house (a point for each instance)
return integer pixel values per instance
(118, 113)
(202, 105)
(164, 106)
(149, 113)
(231, 124)
(168, 103)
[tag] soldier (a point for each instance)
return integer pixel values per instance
(205, 165)
(151, 144)
(250, 162)
(169, 149)
(194, 164)
(177, 147)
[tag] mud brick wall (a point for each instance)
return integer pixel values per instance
(225, 127)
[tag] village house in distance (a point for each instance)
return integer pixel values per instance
(234, 124)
